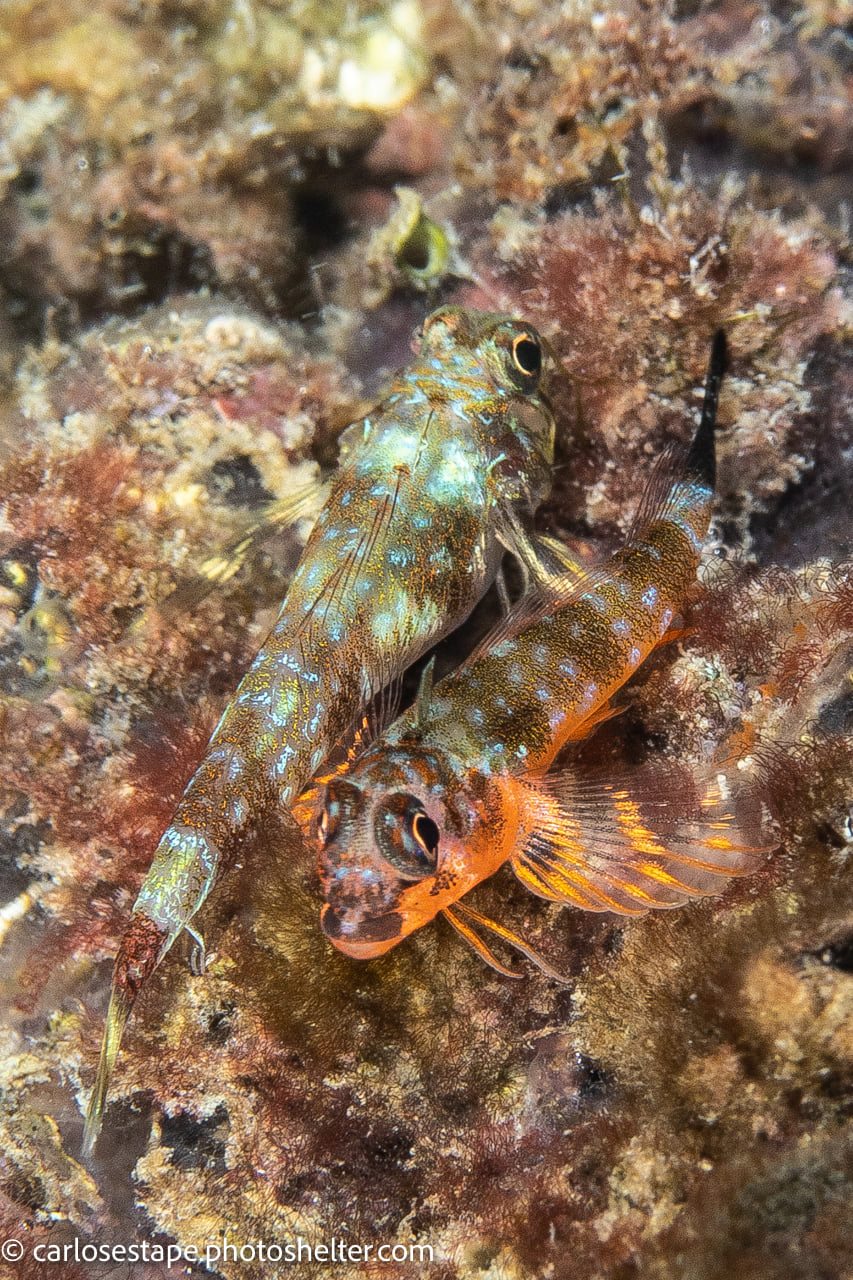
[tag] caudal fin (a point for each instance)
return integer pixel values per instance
(142, 947)
(652, 838)
(117, 1016)
(701, 462)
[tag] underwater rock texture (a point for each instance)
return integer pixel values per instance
(682, 1107)
(148, 147)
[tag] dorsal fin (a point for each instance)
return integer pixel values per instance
(221, 567)
(680, 466)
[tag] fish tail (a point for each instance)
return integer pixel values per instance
(682, 488)
(701, 462)
(142, 948)
(187, 862)
(117, 1016)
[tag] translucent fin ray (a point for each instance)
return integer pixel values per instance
(534, 551)
(119, 1011)
(142, 948)
(222, 567)
(343, 579)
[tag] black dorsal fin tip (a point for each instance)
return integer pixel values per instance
(701, 459)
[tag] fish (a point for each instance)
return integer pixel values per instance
(431, 487)
(465, 782)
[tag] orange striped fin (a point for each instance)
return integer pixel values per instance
(653, 838)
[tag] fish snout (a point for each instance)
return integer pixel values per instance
(358, 934)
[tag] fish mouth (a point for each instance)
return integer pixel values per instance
(362, 938)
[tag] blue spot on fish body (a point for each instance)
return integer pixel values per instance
(281, 764)
(401, 557)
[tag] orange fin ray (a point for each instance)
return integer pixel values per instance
(598, 715)
(474, 940)
(506, 935)
(650, 840)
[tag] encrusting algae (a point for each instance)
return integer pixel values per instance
(627, 179)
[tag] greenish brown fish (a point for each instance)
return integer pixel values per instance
(431, 487)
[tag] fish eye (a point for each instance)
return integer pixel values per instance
(407, 836)
(341, 799)
(527, 355)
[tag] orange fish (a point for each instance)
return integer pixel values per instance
(461, 784)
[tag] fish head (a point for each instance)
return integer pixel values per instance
(400, 837)
(495, 369)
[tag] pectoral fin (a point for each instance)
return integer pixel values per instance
(544, 560)
(464, 918)
(651, 839)
(221, 568)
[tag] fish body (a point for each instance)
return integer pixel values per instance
(405, 545)
(459, 785)
(430, 489)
